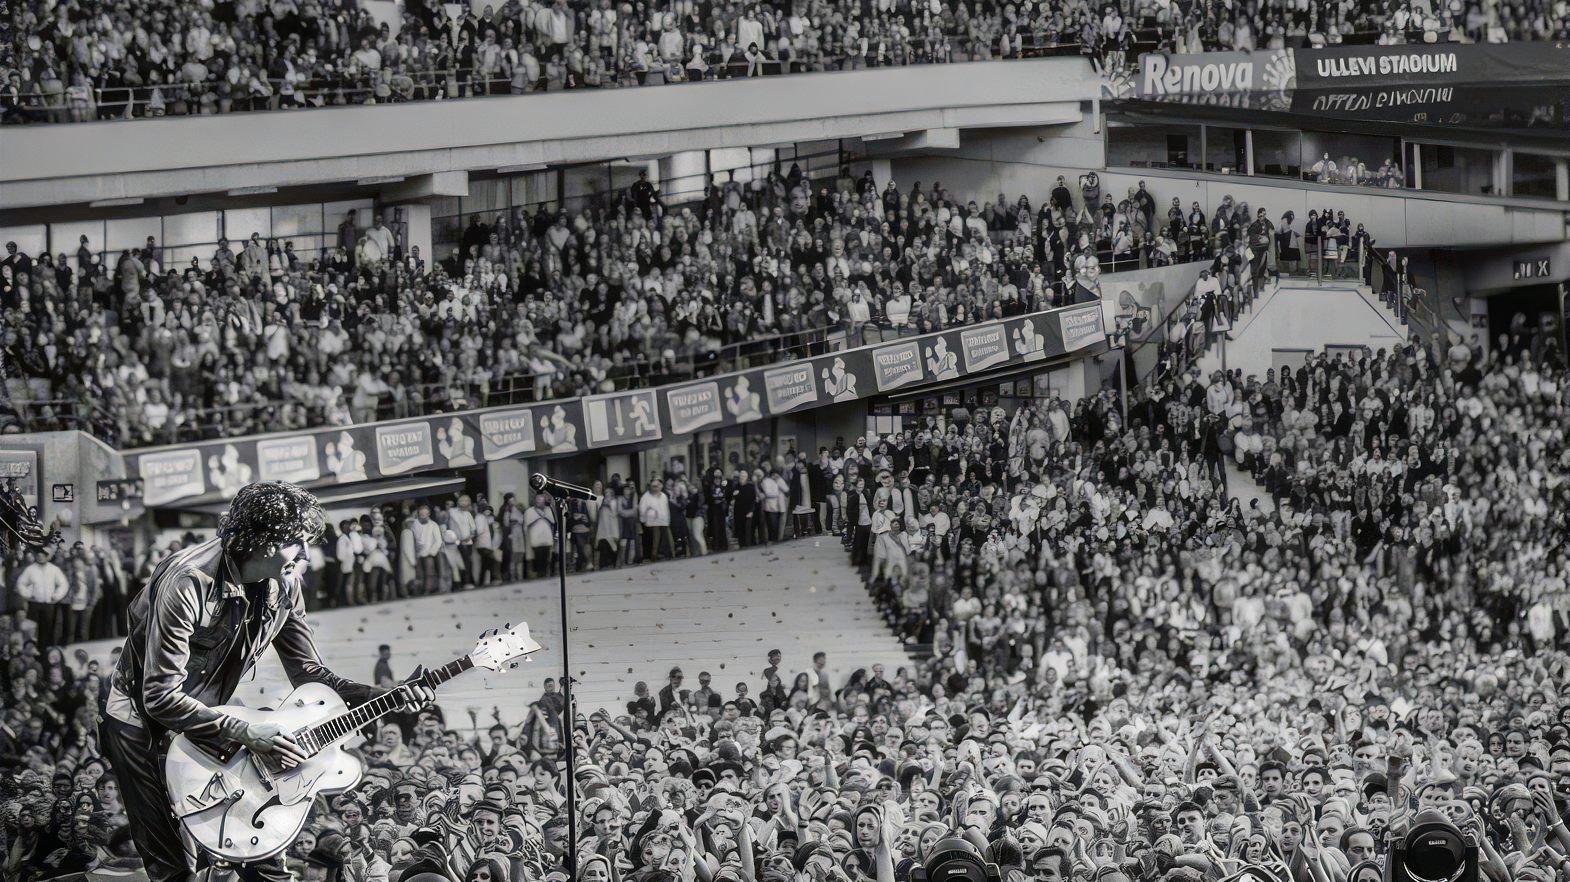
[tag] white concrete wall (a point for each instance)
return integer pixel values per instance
(1302, 316)
(51, 165)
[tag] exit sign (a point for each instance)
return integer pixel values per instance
(1532, 268)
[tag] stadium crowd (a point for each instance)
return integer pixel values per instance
(81, 60)
(533, 306)
(1135, 675)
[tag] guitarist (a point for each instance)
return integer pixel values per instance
(205, 617)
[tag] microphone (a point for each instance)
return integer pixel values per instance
(542, 484)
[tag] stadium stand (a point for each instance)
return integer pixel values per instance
(255, 338)
(79, 61)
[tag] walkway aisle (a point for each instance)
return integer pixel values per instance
(721, 613)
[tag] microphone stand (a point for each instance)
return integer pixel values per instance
(569, 713)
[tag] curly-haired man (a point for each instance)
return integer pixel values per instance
(207, 614)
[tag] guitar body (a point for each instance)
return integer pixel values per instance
(240, 808)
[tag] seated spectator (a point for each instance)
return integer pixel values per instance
(563, 303)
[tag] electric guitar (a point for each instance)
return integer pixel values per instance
(242, 806)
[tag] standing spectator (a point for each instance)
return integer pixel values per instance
(426, 541)
(539, 525)
(349, 233)
(376, 246)
(654, 513)
(44, 592)
(461, 520)
(775, 499)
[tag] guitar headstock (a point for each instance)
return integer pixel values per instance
(500, 649)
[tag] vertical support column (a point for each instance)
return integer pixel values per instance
(417, 229)
(1562, 180)
(1248, 152)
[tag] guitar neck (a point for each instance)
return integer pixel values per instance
(346, 724)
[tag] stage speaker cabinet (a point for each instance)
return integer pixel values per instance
(1434, 850)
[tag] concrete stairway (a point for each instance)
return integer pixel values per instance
(721, 613)
(1301, 315)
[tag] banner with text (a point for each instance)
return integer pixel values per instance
(1438, 64)
(200, 473)
(1267, 79)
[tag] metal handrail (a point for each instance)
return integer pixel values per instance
(509, 389)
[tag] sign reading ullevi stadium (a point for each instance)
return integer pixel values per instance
(1203, 77)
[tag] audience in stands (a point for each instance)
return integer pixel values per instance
(1136, 674)
(77, 61)
(533, 306)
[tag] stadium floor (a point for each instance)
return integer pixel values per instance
(721, 613)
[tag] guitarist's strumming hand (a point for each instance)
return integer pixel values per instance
(272, 738)
(418, 694)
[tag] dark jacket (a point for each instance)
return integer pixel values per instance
(193, 635)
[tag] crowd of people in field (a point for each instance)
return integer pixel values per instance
(550, 304)
(1135, 674)
(81, 60)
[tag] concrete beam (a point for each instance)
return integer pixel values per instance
(451, 183)
(927, 139)
(64, 164)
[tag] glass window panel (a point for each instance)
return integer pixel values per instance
(132, 232)
(333, 215)
(544, 188)
(1449, 169)
(196, 228)
(683, 176)
(1278, 154)
(30, 240)
(1346, 159)
(302, 227)
(447, 206)
(65, 238)
(446, 234)
(240, 223)
(486, 197)
(1226, 150)
(1534, 175)
(1152, 146)
(725, 160)
(583, 183)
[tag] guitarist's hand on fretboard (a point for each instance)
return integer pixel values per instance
(276, 740)
(417, 691)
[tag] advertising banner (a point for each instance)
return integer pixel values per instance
(1438, 64)
(1081, 327)
(985, 346)
(403, 448)
(1480, 106)
(505, 433)
(897, 365)
(291, 459)
(1437, 84)
(341, 455)
(21, 466)
(790, 387)
(693, 407)
(170, 475)
(1163, 74)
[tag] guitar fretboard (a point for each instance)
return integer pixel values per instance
(320, 736)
